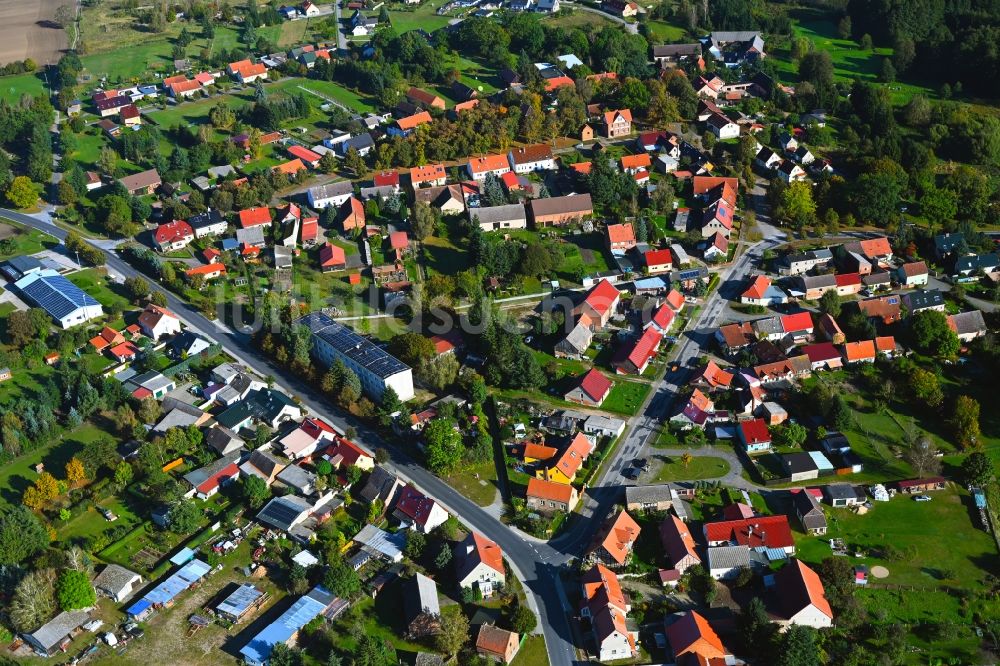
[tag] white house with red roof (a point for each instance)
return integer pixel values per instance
(662, 319)
(599, 304)
(417, 510)
(480, 167)
(762, 292)
(255, 217)
(206, 481)
(614, 543)
(593, 388)
(800, 598)
(634, 358)
(754, 436)
(658, 261)
(755, 532)
(302, 442)
(604, 602)
(173, 236)
(621, 236)
(479, 564)
(344, 453)
(156, 322)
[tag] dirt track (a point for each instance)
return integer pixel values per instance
(27, 30)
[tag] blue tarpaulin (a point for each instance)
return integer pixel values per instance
(291, 621)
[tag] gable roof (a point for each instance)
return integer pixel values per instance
(410, 122)
(692, 633)
(659, 257)
(677, 540)
(758, 288)
(621, 233)
(766, 531)
(610, 117)
(619, 537)
(859, 351)
(485, 551)
(595, 384)
(572, 457)
(255, 216)
(600, 585)
(876, 247)
(637, 161)
(798, 587)
(798, 321)
(967, 323)
(755, 431)
(487, 163)
(601, 297)
(535, 152)
(549, 490)
(714, 375)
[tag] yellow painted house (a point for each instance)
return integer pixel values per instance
(569, 462)
(535, 453)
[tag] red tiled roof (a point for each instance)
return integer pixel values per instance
(755, 431)
(207, 269)
(767, 531)
(488, 163)
(424, 97)
(798, 321)
(799, 587)
(611, 116)
(581, 167)
(428, 172)
(398, 240)
(595, 385)
(886, 343)
(602, 296)
(659, 258)
(310, 229)
(638, 161)
(645, 348)
(621, 233)
(876, 247)
(383, 178)
(600, 584)
(663, 317)
(410, 122)
(758, 287)
(572, 458)
(914, 268)
(252, 217)
(331, 255)
(181, 87)
(692, 634)
(821, 352)
(488, 552)
(675, 299)
(557, 82)
(847, 279)
(304, 154)
(538, 451)
(211, 483)
(715, 376)
(291, 167)
(172, 232)
(703, 184)
(859, 351)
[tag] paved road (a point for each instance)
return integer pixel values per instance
(341, 38)
(537, 564)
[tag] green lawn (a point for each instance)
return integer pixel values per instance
(625, 397)
(700, 467)
(568, 19)
(469, 481)
(17, 475)
(12, 87)
(94, 281)
(661, 32)
(532, 652)
(405, 18)
(849, 61)
(935, 548)
(17, 240)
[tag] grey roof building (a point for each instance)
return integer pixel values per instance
(117, 582)
(244, 599)
(223, 440)
(284, 513)
(809, 512)
(298, 479)
(376, 368)
(726, 561)
(511, 216)
(382, 485)
(48, 638)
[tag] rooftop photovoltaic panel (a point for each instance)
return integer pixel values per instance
(353, 346)
(54, 293)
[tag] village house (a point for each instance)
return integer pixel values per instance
(593, 388)
(799, 598)
(567, 464)
(617, 123)
(614, 543)
(494, 218)
(157, 322)
(173, 236)
(429, 175)
(144, 182)
(809, 512)
(620, 236)
(633, 358)
(331, 194)
(967, 325)
(762, 292)
(557, 211)
(678, 544)
(479, 564)
(534, 157)
(754, 436)
(658, 261)
(497, 644)
(548, 497)
(672, 55)
(425, 99)
(606, 606)
(420, 512)
(481, 167)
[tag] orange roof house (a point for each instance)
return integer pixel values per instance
(692, 634)
(429, 173)
(208, 271)
(621, 236)
(412, 122)
(352, 214)
(599, 303)
(108, 337)
(800, 596)
(291, 167)
(332, 257)
(632, 163)
(856, 352)
(307, 156)
(534, 451)
(557, 82)
(256, 216)
(615, 541)
(424, 98)
(569, 461)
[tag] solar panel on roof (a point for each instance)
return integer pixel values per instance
(57, 295)
(353, 346)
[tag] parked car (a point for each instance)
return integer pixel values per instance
(631, 473)
(922, 498)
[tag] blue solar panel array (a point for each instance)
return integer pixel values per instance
(353, 346)
(54, 293)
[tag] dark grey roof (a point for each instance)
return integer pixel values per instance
(206, 219)
(840, 491)
(359, 142)
(280, 512)
(202, 474)
(969, 322)
(668, 50)
(382, 484)
(948, 242)
(220, 438)
(921, 299)
(358, 349)
(797, 463)
(24, 264)
(808, 509)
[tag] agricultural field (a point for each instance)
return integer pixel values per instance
(28, 30)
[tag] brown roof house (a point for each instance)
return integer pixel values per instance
(549, 496)
(560, 210)
(144, 182)
(497, 644)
